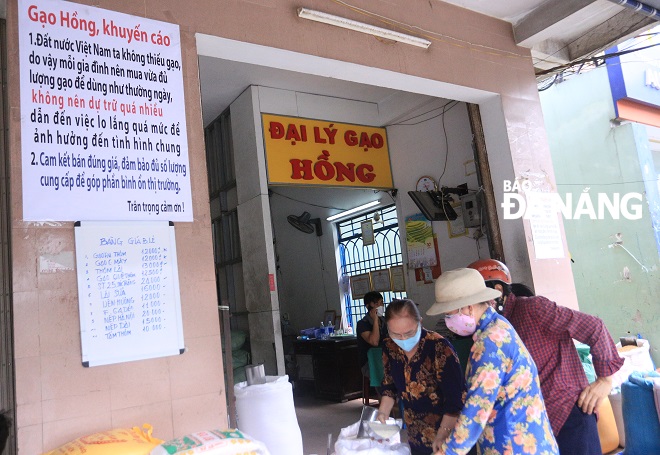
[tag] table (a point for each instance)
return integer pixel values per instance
(331, 365)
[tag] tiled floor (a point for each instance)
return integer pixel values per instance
(317, 418)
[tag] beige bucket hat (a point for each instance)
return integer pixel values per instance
(459, 288)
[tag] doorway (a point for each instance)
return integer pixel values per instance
(428, 138)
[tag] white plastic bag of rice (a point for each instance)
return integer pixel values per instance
(212, 442)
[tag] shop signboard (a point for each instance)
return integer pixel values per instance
(302, 151)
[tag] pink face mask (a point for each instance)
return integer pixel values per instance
(461, 324)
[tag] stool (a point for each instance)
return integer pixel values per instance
(366, 392)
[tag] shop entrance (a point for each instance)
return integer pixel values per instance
(429, 134)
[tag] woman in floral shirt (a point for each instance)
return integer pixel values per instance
(504, 411)
(420, 367)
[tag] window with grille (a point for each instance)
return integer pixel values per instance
(220, 154)
(357, 258)
(222, 181)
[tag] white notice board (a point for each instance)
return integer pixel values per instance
(128, 288)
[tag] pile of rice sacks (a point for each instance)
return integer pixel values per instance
(212, 442)
(134, 441)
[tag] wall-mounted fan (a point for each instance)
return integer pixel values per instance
(305, 223)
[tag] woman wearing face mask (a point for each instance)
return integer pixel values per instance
(421, 368)
(504, 411)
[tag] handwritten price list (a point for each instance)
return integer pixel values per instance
(103, 115)
(128, 289)
(121, 314)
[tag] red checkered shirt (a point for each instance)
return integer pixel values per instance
(547, 329)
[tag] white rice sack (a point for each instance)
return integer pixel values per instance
(212, 442)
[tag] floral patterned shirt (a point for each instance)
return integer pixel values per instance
(504, 411)
(430, 385)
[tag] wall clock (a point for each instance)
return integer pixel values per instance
(426, 183)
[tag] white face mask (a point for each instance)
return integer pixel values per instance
(380, 311)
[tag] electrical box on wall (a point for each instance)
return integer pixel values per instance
(471, 207)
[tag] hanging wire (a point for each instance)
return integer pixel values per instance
(617, 244)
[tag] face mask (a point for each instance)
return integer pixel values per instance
(461, 324)
(409, 344)
(380, 311)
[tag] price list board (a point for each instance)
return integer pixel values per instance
(128, 288)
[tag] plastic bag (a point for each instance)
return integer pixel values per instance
(212, 442)
(584, 352)
(635, 359)
(136, 441)
(267, 412)
(349, 444)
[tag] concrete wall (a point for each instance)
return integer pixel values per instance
(59, 400)
(421, 150)
(589, 153)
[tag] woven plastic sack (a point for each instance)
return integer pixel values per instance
(212, 442)
(267, 412)
(238, 338)
(240, 358)
(635, 359)
(134, 441)
(349, 444)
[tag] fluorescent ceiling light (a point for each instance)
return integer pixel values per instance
(342, 22)
(353, 210)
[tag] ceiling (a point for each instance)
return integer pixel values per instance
(562, 31)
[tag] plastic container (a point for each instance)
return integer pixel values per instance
(308, 332)
(255, 374)
(266, 412)
(323, 333)
(640, 417)
(615, 401)
(607, 431)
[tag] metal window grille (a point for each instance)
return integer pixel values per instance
(357, 258)
(222, 179)
(220, 154)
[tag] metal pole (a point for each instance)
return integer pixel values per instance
(229, 364)
(639, 7)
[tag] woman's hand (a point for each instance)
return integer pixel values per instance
(439, 439)
(386, 405)
(439, 450)
(446, 426)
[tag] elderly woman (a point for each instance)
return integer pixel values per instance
(421, 368)
(504, 411)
